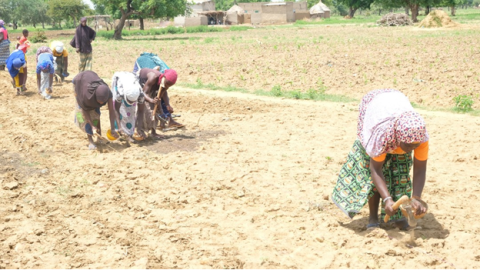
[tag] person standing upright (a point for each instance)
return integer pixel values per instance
(4, 45)
(84, 36)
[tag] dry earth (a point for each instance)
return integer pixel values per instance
(431, 66)
(247, 184)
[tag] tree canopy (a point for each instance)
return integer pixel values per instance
(123, 9)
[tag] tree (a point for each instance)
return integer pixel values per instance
(453, 4)
(413, 5)
(60, 10)
(34, 12)
(354, 5)
(24, 11)
(145, 8)
(5, 10)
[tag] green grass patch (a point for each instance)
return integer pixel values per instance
(171, 30)
(211, 86)
(297, 94)
(358, 19)
(31, 29)
(275, 92)
(463, 103)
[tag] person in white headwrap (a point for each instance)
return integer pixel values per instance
(60, 55)
(129, 101)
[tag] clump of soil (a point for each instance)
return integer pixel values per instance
(394, 19)
(437, 18)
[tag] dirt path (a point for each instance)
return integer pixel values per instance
(247, 184)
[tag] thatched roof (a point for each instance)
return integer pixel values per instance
(319, 8)
(236, 9)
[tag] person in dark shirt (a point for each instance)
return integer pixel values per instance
(84, 36)
(91, 93)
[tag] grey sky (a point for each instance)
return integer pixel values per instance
(89, 2)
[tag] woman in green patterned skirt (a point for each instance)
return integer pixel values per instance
(378, 166)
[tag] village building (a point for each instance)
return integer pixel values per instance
(195, 14)
(203, 12)
(275, 12)
(319, 10)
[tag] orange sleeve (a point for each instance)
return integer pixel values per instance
(380, 158)
(421, 153)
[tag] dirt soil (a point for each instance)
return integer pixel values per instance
(246, 185)
(431, 66)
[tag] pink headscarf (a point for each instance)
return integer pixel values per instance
(386, 119)
(170, 75)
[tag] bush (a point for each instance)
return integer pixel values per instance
(39, 37)
(277, 91)
(463, 103)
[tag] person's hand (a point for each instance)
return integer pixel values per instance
(156, 100)
(418, 207)
(96, 130)
(389, 208)
(77, 50)
(169, 108)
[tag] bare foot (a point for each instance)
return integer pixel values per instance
(173, 124)
(156, 136)
(130, 139)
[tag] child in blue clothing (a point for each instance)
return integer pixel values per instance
(45, 71)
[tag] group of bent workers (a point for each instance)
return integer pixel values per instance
(137, 101)
(377, 168)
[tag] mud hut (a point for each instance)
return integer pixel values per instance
(235, 15)
(319, 10)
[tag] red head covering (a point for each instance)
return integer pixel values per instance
(170, 75)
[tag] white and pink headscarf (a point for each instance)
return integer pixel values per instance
(386, 119)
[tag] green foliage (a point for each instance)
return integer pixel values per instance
(169, 30)
(339, 20)
(356, 4)
(24, 11)
(124, 9)
(60, 10)
(210, 86)
(39, 37)
(295, 94)
(463, 103)
(209, 40)
(277, 91)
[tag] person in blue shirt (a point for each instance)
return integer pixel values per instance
(16, 64)
(45, 71)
